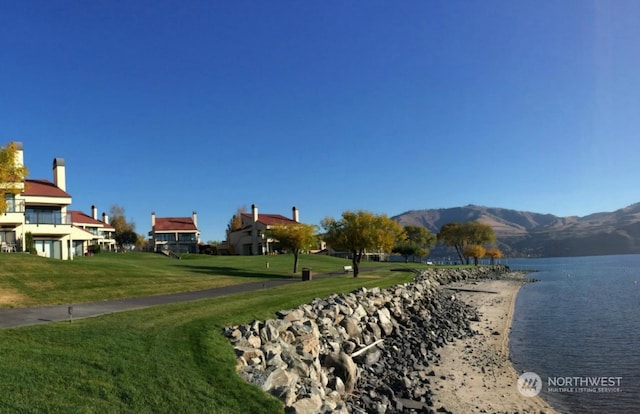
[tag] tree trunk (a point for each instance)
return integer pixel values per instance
(356, 263)
(460, 255)
(295, 261)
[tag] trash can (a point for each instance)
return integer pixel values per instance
(306, 273)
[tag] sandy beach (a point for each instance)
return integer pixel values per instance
(474, 374)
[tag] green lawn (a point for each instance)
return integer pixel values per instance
(27, 280)
(166, 359)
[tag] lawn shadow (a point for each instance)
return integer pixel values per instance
(238, 272)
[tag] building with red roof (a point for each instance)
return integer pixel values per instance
(41, 210)
(175, 234)
(251, 238)
(89, 233)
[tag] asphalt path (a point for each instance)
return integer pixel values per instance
(15, 318)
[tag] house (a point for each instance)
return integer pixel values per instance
(89, 233)
(251, 238)
(40, 209)
(176, 234)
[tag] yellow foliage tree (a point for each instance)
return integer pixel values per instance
(294, 237)
(493, 253)
(360, 231)
(460, 236)
(12, 174)
(474, 250)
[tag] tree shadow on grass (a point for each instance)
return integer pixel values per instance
(238, 272)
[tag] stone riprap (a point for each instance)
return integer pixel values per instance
(367, 351)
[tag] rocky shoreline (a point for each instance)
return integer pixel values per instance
(368, 351)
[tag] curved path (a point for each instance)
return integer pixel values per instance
(14, 318)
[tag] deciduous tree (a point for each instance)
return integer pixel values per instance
(126, 238)
(459, 236)
(12, 174)
(360, 231)
(125, 232)
(294, 237)
(417, 242)
(235, 223)
(493, 253)
(474, 250)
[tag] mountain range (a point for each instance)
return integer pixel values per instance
(527, 234)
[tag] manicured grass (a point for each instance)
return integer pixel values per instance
(167, 359)
(27, 280)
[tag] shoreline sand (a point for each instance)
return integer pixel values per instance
(475, 374)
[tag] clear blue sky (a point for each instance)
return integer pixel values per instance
(175, 106)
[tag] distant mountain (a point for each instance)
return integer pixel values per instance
(523, 233)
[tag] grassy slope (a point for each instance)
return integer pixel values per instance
(27, 280)
(165, 359)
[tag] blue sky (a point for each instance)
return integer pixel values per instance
(175, 106)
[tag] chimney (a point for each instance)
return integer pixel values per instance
(254, 212)
(19, 153)
(105, 218)
(59, 177)
(153, 219)
(195, 219)
(94, 212)
(296, 215)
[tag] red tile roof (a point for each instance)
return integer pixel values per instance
(43, 188)
(271, 219)
(175, 224)
(80, 217)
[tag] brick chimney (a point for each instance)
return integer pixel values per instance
(59, 176)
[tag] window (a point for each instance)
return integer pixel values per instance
(165, 237)
(187, 237)
(10, 199)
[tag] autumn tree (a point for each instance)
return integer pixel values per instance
(12, 174)
(493, 253)
(360, 231)
(142, 242)
(294, 237)
(417, 242)
(475, 251)
(125, 232)
(458, 236)
(126, 239)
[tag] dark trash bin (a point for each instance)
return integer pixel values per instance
(307, 274)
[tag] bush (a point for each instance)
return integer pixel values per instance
(29, 244)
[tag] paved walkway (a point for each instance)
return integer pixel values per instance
(14, 318)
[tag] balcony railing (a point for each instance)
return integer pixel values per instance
(47, 217)
(15, 206)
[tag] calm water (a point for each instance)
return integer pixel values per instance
(581, 320)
